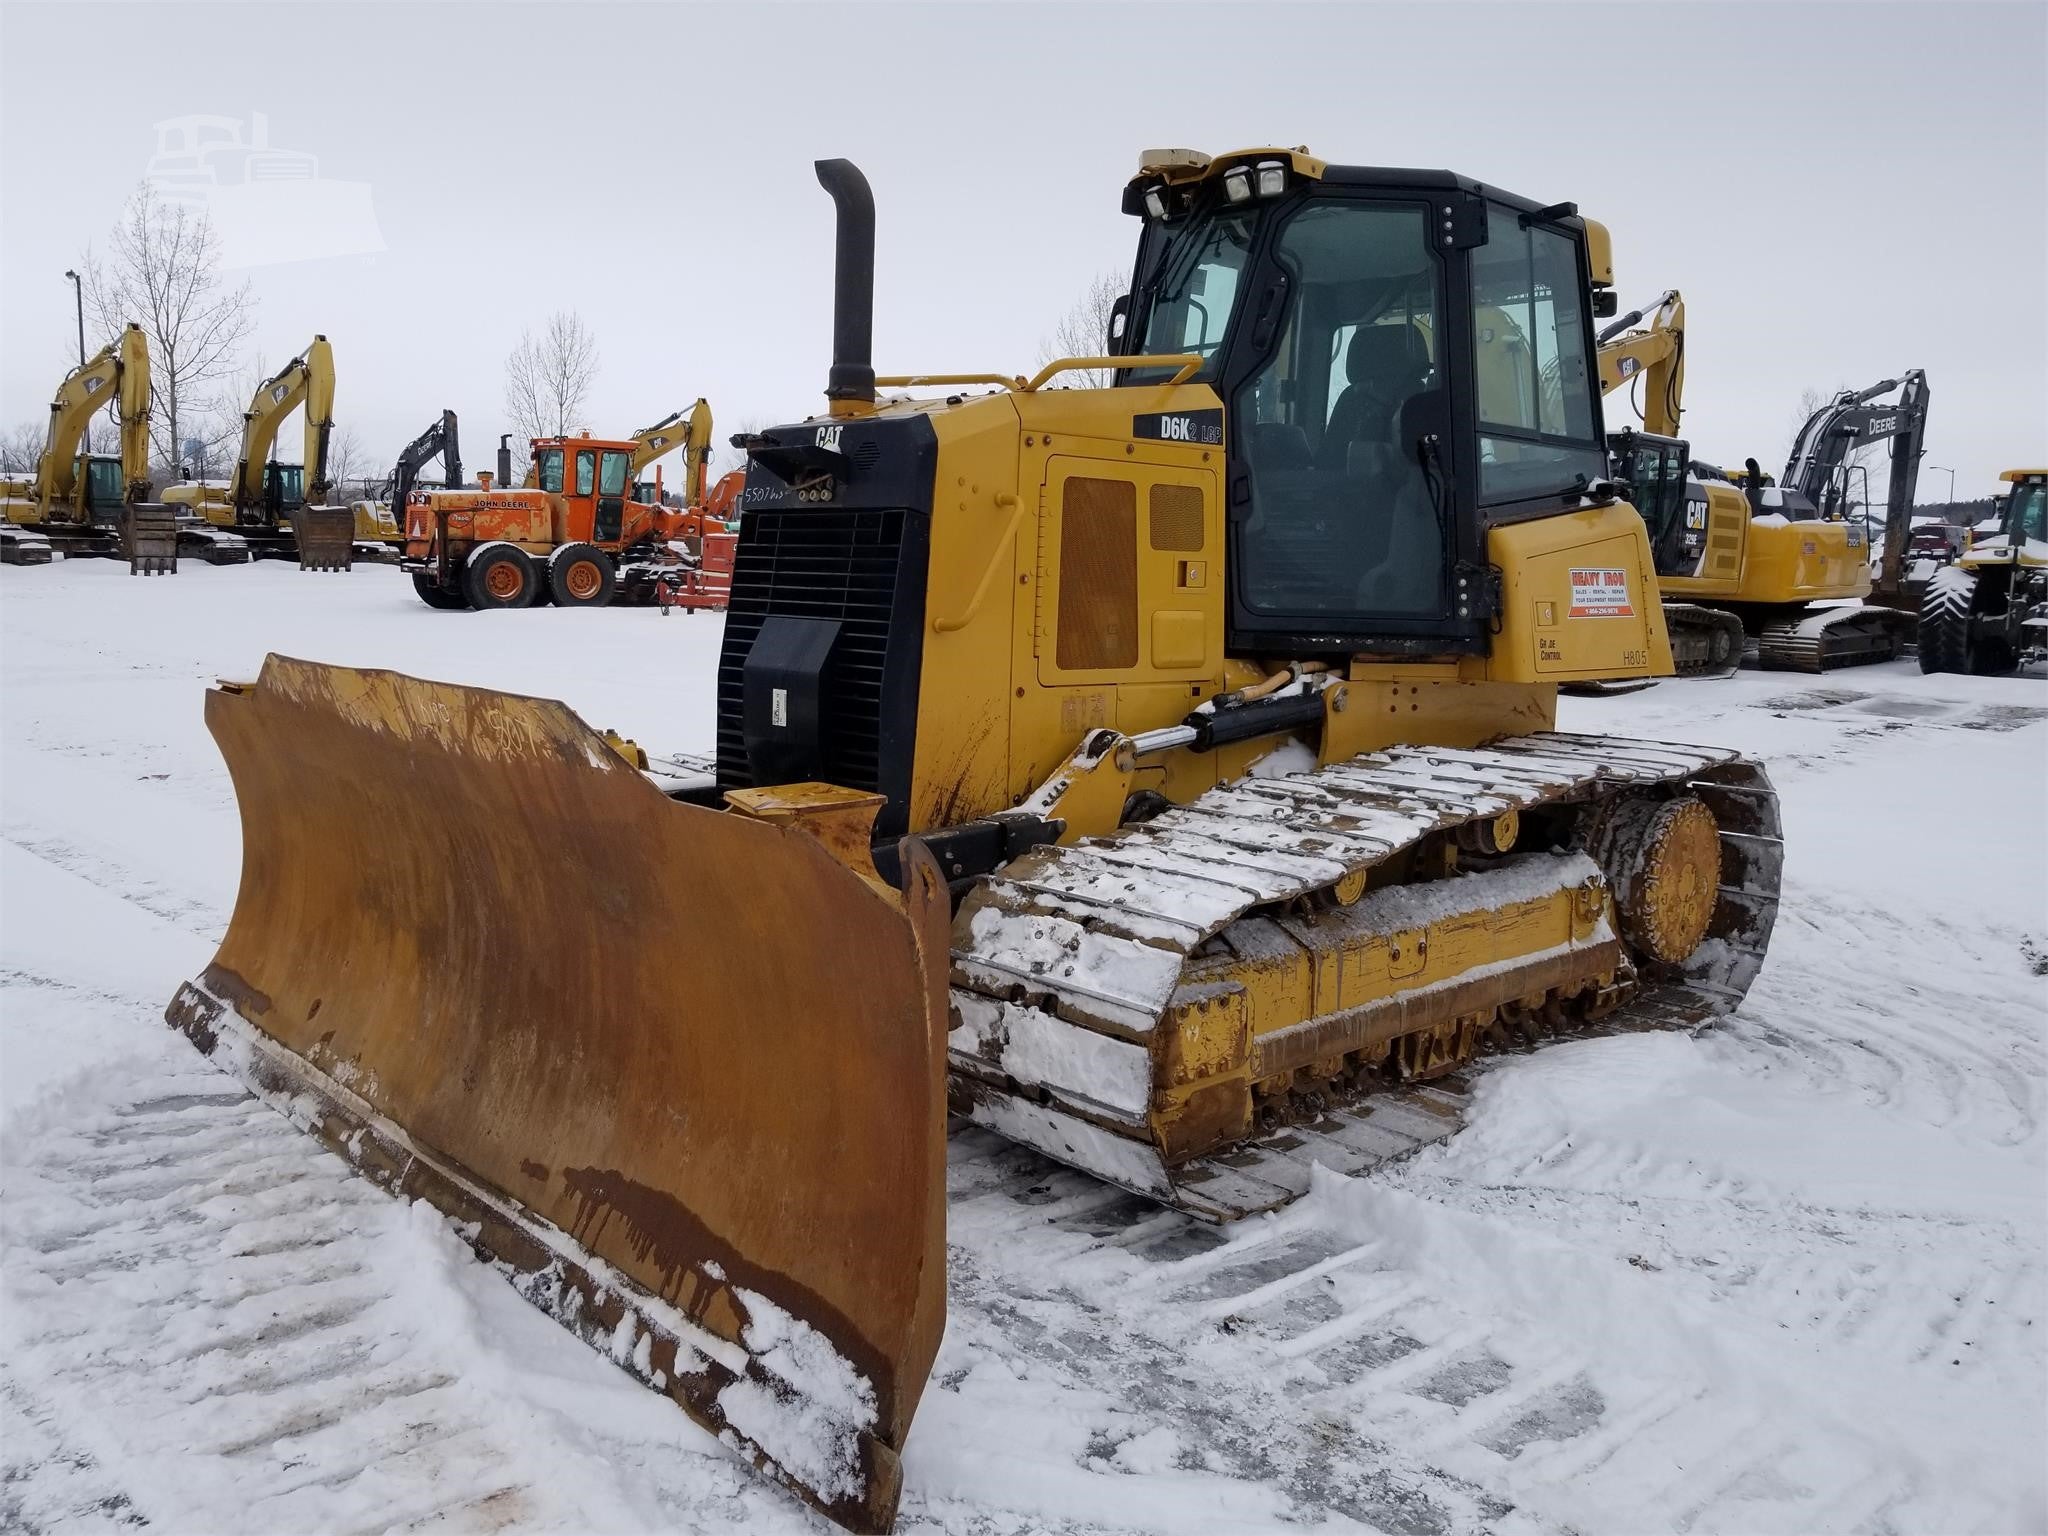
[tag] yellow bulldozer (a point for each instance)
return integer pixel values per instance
(1162, 774)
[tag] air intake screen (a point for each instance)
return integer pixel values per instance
(1177, 518)
(1098, 610)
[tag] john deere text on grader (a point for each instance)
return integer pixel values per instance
(1173, 762)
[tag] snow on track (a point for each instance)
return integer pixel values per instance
(1785, 1275)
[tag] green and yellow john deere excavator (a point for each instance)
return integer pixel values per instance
(1164, 775)
(80, 503)
(268, 508)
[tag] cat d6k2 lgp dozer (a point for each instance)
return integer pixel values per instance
(1164, 775)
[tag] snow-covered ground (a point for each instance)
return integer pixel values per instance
(1785, 1276)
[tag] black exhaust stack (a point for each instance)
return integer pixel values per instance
(504, 458)
(853, 283)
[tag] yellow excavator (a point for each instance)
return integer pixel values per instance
(1164, 775)
(265, 507)
(84, 503)
(1744, 561)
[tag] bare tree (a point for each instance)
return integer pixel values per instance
(1083, 331)
(162, 272)
(21, 447)
(548, 377)
(347, 459)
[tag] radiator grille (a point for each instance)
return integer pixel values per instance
(821, 564)
(1098, 607)
(1176, 518)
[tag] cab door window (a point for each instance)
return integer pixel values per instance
(611, 495)
(1346, 517)
(1538, 425)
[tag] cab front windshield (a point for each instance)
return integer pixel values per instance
(2026, 511)
(1192, 277)
(103, 484)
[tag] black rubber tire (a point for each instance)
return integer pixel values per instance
(582, 576)
(1990, 656)
(1944, 634)
(435, 596)
(487, 579)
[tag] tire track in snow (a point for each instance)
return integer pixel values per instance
(190, 1281)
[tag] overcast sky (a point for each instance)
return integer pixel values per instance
(1841, 191)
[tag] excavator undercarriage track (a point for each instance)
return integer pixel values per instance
(1826, 638)
(1092, 982)
(1705, 642)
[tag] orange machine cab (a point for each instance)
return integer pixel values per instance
(581, 492)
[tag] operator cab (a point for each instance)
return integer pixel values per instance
(1405, 357)
(593, 476)
(106, 488)
(1656, 475)
(284, 489)
(2025, 518)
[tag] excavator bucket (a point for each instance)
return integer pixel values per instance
(679, 1071)
(149, 540)
(326, 538)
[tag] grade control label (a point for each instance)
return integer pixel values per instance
(1600, 593)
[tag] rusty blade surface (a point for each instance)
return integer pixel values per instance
(326, 538)
(671, 1054)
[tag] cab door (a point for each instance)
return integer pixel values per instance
(611, 495)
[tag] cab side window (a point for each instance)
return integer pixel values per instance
(1538, 434)
(551, 470)
(586, 471)
(613, 480)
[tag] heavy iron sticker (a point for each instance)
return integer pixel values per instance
(1600, 593)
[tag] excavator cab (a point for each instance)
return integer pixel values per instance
(284, 490)
(1656, 473)
(103, 489)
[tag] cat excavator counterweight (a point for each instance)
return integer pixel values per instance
(1164, 775)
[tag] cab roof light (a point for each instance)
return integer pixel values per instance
(1272, 176)
(1237, 184)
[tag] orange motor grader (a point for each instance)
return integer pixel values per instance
(573, 535)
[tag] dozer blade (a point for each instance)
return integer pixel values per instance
(682, 1069)
(326, 538)
(149, 540)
